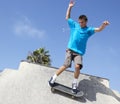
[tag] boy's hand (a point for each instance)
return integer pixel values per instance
(71, 4)
(105, 23)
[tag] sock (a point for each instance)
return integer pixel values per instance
(54, 78)
(75, 80)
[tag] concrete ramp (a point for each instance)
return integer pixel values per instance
(28, 85)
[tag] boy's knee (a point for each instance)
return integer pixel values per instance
(78, 67)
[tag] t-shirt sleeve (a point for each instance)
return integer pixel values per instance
(71, 23)
(91, 30)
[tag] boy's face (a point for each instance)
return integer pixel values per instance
(82, 23)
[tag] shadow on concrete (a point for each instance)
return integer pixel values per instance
(92, 87)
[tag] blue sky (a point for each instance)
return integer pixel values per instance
(26, 25)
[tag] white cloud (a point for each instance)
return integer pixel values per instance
(65, 29)
(113, 51)
(23, 27)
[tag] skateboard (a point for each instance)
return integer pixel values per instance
(66, 90)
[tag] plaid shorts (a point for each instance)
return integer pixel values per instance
(72, 56)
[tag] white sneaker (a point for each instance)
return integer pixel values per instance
(74, 88)
(50, 83)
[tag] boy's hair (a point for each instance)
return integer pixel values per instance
(83, 17)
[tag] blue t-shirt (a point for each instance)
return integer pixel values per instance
(79, 36)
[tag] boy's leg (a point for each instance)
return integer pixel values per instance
(67, 64)
(62, 68)
(58, 72)
(78, 67)
(77, 71)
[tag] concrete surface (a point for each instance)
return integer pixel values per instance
(28, 85)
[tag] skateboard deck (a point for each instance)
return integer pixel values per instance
(66, 90)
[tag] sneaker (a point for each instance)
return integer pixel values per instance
(74, 88)
(50, 83)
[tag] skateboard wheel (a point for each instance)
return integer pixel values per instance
(52, 89)
(73, 97)
(81, 93)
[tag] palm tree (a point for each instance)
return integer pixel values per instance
(40, 56)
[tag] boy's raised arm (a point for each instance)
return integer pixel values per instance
(71, 4)
(104, 24)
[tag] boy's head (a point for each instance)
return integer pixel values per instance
(83, 20)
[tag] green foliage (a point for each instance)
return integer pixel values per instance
(40, 56)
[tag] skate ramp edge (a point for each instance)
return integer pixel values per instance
(29, 85)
